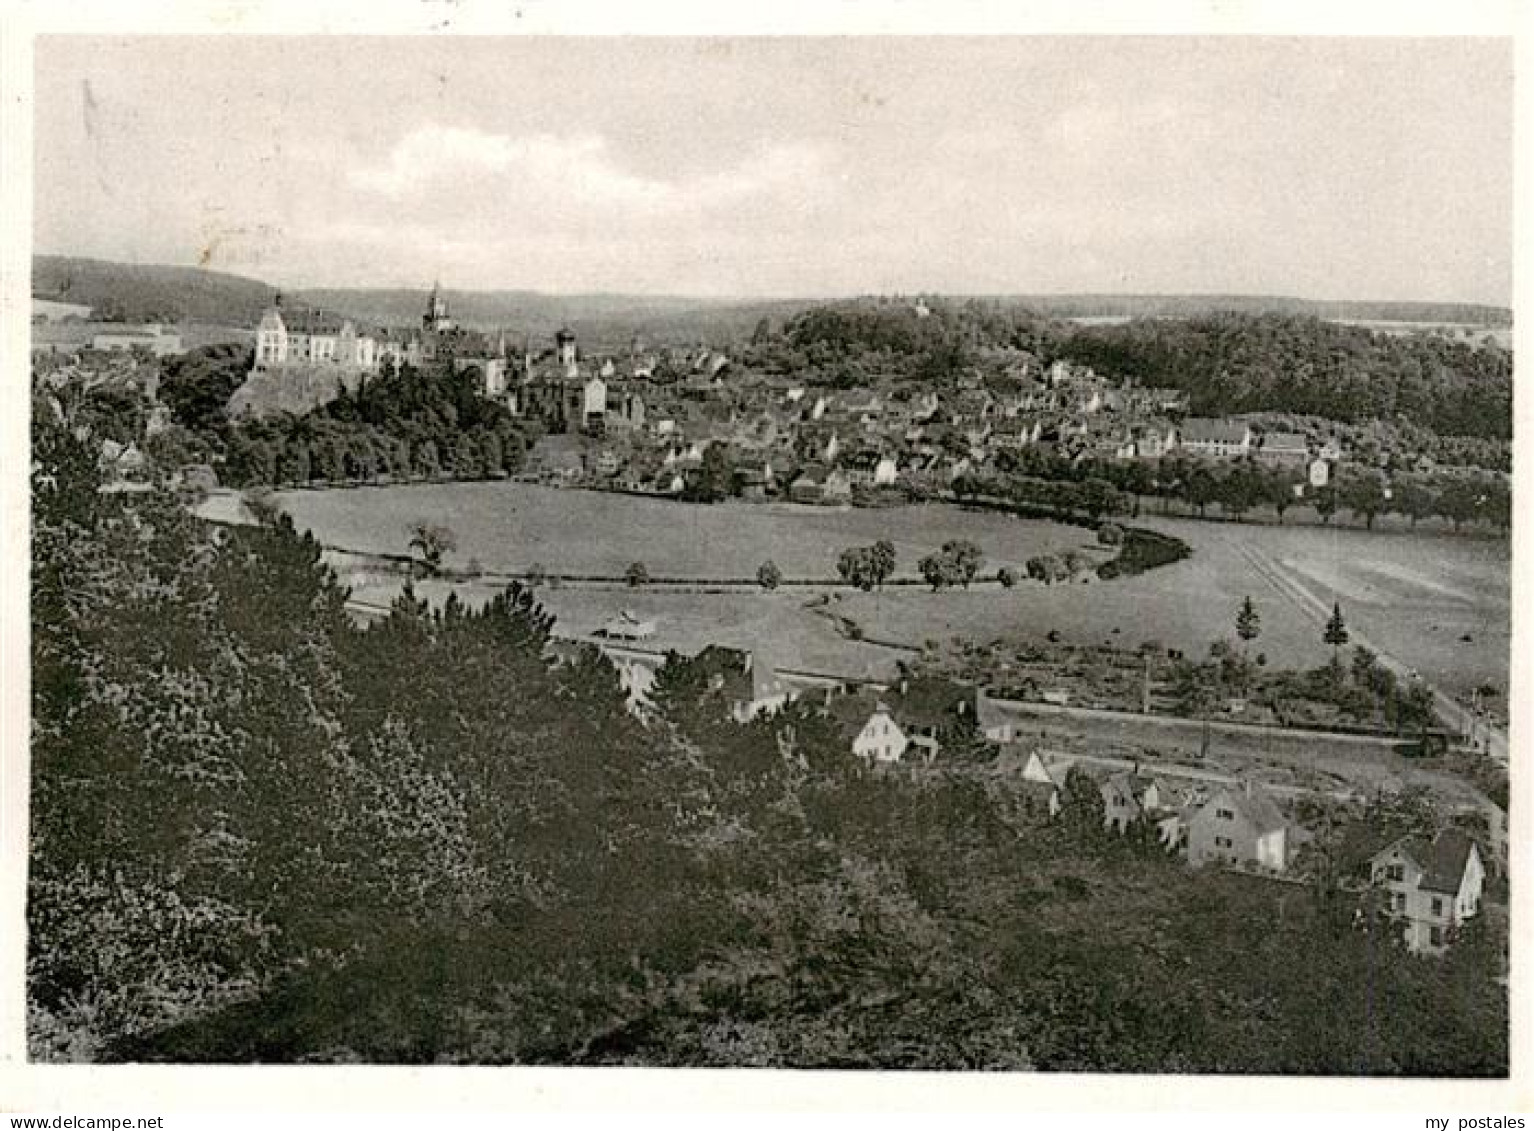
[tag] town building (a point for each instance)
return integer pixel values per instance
(1215, 439)
(155, 338)
(311, 337)
(1284, 449)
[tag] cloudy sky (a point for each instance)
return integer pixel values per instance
(1345, 168)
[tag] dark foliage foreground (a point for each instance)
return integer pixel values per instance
(261, 834)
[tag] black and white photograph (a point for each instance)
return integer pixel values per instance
(973, 553)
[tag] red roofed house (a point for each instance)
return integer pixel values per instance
(1433, 887)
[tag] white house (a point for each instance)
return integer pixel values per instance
(1219, 439)
(886, 472)
(1043, 781)
(881, 740)
(1432, 887)
(1239, 825)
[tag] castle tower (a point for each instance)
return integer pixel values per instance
(565, 340)
(436, 318)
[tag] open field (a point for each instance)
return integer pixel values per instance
(1413, 597)
(513, 526)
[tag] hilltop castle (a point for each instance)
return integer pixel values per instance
(305, 357)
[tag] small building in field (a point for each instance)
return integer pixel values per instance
(627, 625)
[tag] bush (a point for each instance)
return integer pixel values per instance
(1110, 534)
(1007, 576)
(1143, 550)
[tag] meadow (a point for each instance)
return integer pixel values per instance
(1416, 597)
(510, 527)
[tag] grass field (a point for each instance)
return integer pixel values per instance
(1415, 597)
(513, 526)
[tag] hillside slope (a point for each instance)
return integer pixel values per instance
(151, 292)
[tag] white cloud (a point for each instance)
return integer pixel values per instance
(447, 164)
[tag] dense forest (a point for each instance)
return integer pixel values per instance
(263, 833)
(1231, 363)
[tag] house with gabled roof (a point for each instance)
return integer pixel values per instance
(1432, 887)
(1043, 782)
(746, 684)
(1219, 439)
(881, 741)
(1284, 449)
(1240, 825)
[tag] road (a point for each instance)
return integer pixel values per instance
(1455, 714)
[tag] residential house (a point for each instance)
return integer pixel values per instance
(1215, 439)
(881, 741)
(1153, 441)
(935, 711)
(836, 488)
(1121, 804)
(1043, 783)
(886, 471)
(809, 487)
(1239, 825)
(1432, 886)
(1016, 432)
(744, 684)
(995, 725)
(1130, 796)
(1284, 449)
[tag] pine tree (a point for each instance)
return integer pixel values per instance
(1248, 622)
(1336, 633)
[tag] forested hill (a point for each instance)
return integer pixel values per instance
(133, 292)
(1231, 363)
(1227, 362)
(1194, 306)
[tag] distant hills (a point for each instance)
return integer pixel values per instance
(141, 292)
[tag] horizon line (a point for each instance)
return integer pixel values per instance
(830, 296)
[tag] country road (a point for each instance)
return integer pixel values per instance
(1314, 608)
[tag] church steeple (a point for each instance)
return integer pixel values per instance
(436, 316)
